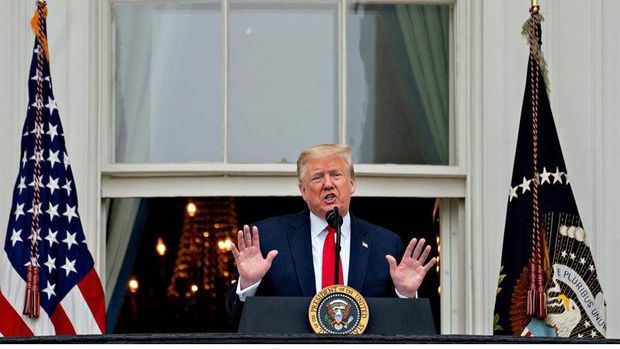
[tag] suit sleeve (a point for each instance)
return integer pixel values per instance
(400, 250)
(234, 306)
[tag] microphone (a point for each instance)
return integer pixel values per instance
(334, 220)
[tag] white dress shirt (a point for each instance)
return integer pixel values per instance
(318, 231)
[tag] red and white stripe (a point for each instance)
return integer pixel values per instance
(82, 311)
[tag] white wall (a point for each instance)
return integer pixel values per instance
(581, 40)
(581, 43)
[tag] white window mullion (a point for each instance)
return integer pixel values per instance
(406, 2)
(342, 71)
(225, 78)
(152, 180)
(200, 184)
(456, 153)
(108, 127)
(452, 268)
(105, 41)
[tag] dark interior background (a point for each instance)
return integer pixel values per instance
(151, 310)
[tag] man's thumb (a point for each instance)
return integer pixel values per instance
(271, 255)
(391, 261)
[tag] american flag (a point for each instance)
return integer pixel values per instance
(44, 232)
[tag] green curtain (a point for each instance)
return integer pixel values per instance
(424, 30)
(121, 221)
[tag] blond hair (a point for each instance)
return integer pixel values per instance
(323, 151)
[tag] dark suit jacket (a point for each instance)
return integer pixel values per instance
(292, 271)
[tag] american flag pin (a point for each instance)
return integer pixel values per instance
(364, 244)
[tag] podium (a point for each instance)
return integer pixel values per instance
(289, 315)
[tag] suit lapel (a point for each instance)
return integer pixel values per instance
(360, 250)
(301, 250)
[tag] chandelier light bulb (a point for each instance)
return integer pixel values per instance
(161, 247)
(133, 284)
(191, 209)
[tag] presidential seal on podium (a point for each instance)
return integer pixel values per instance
(338, 309)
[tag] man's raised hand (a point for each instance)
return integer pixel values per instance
(408, 275)
(251, 265)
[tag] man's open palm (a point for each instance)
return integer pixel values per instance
(408, 275)
(251, 265)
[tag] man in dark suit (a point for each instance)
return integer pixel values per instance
(299, 248)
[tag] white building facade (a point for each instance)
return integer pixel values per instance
(487, 70)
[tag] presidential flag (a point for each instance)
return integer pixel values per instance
(48, 284)
(548, 283)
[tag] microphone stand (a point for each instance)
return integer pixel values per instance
(334, 220)
(338, 233)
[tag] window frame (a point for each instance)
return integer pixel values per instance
(448, 182)
(109, 166)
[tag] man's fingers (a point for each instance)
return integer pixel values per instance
(247, 236)
(418, 249)
(409, 248)
(255, 239)
(234, 250)
(240, 240)
(424, 255)
(391, 262)
(271, 255)
(430, 264)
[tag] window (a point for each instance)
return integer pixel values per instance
(283, 74)
(217, 98)
(397, 78)
(254, 82)
(168, 83)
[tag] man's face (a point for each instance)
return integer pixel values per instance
(327, 183)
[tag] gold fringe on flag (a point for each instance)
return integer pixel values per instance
(536, 50)
(36, 22)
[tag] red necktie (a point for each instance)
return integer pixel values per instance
(329, 259)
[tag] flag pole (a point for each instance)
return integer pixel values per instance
(536, 296)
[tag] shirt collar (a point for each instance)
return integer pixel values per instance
(318, 225)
